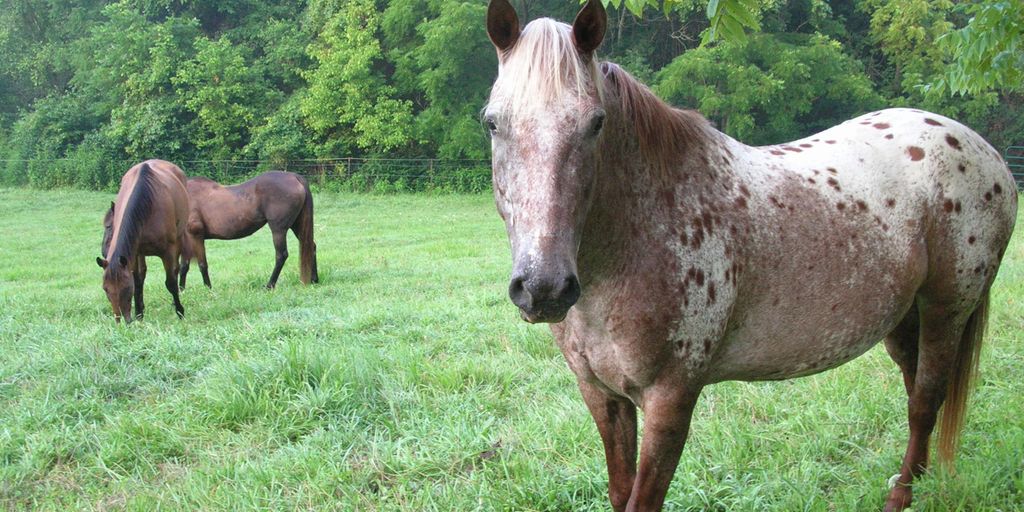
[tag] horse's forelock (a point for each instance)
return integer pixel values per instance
(541, 68)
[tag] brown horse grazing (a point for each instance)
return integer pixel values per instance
(147, 219)
(281, 199)
(670, 256)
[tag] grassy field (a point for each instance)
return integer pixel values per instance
(405, 381)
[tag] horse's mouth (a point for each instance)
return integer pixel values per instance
(542, 317)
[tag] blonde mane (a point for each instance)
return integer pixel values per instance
(543, 65)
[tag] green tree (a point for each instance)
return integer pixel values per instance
(987, 53)
(225, 93)
(770, 88)
(349, 97)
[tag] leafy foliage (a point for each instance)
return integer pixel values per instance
(769, 88)
(988, 53)
(100, 82)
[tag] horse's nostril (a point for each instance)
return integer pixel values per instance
(518, 293)
(570, 292)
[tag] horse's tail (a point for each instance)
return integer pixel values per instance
(307, 247)
(964, 370)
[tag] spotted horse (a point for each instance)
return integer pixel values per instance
(668, 256)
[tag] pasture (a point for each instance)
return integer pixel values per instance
(406, 381)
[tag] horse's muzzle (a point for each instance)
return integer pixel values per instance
(543, 298)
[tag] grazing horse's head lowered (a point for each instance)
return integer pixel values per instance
(118, 283)
(544, 151)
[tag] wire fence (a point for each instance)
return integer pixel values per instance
(375, 175)
(1014, 157)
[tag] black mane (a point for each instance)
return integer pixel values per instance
(140, 204)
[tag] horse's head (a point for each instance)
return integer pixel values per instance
(545, 118)
(118, 282)
(119, 285)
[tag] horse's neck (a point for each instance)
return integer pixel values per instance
(636, 200)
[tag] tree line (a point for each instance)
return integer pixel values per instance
(88, 85)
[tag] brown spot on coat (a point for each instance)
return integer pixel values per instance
(881, 126)
(961, 168)
(806, 145)
(890, 202)
(954, 142)
(948, 205)
(915, 153)
(711, 292)
(888, 135)
(861, 205)
(776, 152)
(932, 121)
(741, 202)
(830, 142)
(988, 196)
(971, 239)
(997, 189)
(834, 183)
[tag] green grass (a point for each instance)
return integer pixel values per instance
(405, 381)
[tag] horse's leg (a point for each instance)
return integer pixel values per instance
(186, 259)
(171, 270)
(901, 344)
(199, 247)
(140, 280)
(616, 421)
(941, 327)
(667, 413)
(281, 248)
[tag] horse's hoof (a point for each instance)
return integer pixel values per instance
(899, 498)
(892, 480)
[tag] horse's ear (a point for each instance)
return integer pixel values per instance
(502, 24)
(123, 261)
(101, 262)
(589, 26)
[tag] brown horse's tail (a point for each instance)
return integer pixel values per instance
(307, 247)
(964, 370)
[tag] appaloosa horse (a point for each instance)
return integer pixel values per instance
(280, 199)
(669, 256)
(146, 219)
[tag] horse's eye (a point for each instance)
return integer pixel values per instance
(491, 125)
(597, 124)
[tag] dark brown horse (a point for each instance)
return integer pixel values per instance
(147, 219)
(669, 256)
(280, 199)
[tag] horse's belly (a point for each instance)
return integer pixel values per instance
(780, 338)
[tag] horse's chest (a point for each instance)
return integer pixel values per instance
(625, 337)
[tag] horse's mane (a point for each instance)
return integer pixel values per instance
(544, 65)
(140, 204)
(663, 132)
